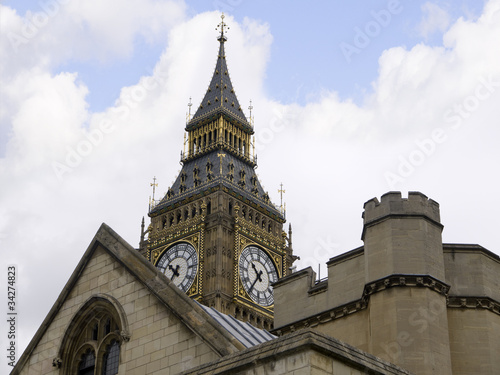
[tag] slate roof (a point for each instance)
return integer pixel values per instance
(220, 97)
(242, 172)
(244, 332)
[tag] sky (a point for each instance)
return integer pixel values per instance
(350, 100)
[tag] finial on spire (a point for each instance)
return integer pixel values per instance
(222, 25)
(250, 107)
(188, 117)
(281, 191)
(154, 184)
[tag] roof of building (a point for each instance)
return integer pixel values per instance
(237, 176)
(244, 332)
(220, 97)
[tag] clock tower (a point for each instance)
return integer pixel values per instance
(216, 234)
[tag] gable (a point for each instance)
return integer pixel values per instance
(159, 327)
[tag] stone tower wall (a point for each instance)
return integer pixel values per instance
(403, 237)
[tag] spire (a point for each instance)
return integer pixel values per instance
(220, 97)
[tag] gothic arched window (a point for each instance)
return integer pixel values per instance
(91, 344)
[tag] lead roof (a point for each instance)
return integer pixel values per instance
(244, 182)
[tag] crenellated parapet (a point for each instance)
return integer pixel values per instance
(402, 235)
(392, 204)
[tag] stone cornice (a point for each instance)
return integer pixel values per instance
(472, 302)
(272, 351)
(469, 248)
(376, 286)
(405, 280)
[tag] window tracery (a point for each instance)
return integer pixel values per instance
(92, 342)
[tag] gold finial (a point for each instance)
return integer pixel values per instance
(222, 25)
(188, 117)
(250, 107)
(154, 184)
(220, 155)
(281, 191)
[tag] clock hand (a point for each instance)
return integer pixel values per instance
(259, 273)
(258, 278)
(175, 271)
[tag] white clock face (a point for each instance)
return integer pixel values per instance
(180, 264)
(257, 273)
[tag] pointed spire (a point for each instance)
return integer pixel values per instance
(220, 97)
(141, 241)
(290, 235)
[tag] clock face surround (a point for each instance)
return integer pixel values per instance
(257, 273)
(180, 264)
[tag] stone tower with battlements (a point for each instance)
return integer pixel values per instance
(404, 251)
(404, 296)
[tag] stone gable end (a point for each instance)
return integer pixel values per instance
(159, 342)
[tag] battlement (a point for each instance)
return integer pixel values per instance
(391, 203)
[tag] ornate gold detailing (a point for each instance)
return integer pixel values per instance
(222, 25)
(220, 155)
(155, 254)
(181, 229)
(281, 191)
(266, 239)
(152, 202)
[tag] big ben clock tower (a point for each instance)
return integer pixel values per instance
(216, 234)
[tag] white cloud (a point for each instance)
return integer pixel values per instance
(435, 19)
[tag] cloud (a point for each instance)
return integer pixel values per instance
(435, 19)
(331, 154)
(92, 30)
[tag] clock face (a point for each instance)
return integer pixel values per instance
(257, 273)
(180, 264)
